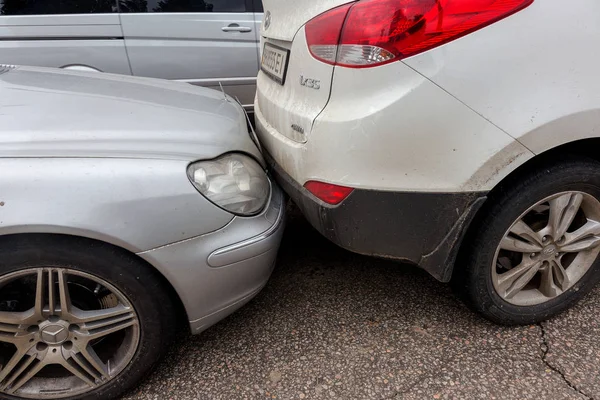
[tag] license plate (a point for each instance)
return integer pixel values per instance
(275, 62)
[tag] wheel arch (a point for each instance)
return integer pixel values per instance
(70, 231)
(578, 148)
(13, 239)
(583, 148)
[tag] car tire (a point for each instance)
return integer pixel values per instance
(123, 286)
(490, 272)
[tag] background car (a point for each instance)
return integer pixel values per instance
(457, 135)
(124, 203)
(200, 42)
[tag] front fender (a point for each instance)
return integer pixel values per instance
(136, 204)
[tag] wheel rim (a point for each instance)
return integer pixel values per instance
(548, 249)
(62, 333)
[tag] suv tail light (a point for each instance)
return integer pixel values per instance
(368, 33)
(328, 192)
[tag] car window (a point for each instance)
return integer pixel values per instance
(189, 6)
(41, 7)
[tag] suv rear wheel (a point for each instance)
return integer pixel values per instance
(534, 253)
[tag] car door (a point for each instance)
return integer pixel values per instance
(203, 42)
(80, 34)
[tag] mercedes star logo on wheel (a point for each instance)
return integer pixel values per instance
(54, 334)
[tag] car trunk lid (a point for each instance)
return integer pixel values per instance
(290, 105)
(283, 18)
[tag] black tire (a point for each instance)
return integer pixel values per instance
(137, 281)
(472, 280)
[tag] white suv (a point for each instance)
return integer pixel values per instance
(460, 135)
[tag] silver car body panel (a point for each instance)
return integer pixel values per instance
(196, 48)
(116, 116)
(93, 40)
(107, 160)
(105, 199)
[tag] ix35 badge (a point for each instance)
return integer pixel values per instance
(310, 83)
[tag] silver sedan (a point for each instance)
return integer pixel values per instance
(124, 204)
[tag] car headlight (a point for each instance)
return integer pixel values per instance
(234, 182)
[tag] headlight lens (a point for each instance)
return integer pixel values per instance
(234, 182)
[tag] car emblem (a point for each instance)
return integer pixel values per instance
(267, 20)
(310, 83)
(549, 251)
(298, 128)
(54, 334)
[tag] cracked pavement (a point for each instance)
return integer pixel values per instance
(332, 324)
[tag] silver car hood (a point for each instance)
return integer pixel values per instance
(55, 113)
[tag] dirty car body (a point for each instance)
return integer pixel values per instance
(399, 127)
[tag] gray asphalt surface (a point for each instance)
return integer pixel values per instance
(334, 325)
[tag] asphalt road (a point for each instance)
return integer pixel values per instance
(334, 325)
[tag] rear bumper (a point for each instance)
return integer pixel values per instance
(422, 228)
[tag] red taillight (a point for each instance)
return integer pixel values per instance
(330, 194)
(323, 33)
(375, 32)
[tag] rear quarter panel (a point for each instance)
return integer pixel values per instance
(533, 74)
